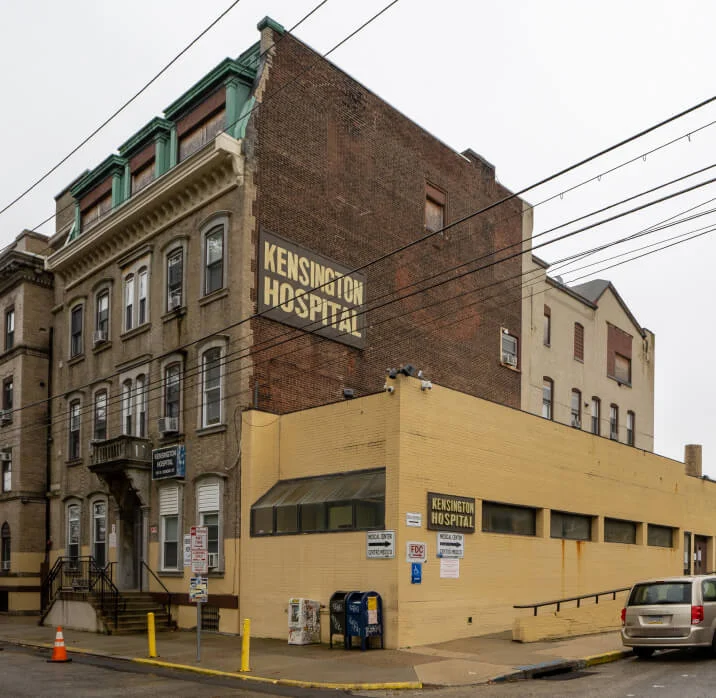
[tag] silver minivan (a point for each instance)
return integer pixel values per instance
(670, 613)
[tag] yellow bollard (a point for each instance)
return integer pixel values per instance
(245, 642)
(152, 635)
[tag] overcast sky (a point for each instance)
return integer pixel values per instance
(532, 86)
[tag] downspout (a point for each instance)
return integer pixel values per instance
(48, 451)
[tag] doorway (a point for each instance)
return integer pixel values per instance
(701, 563)
(129, 554)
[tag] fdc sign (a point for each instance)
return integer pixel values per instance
(416, 551)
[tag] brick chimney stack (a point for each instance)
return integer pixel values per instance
(692, 459)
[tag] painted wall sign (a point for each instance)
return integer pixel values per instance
(307, 290)
(169, 462)
(449, 512)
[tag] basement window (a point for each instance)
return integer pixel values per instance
(352, 501)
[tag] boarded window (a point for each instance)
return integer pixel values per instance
(578, 342)
(622, 369)
(618, 531)
(660, 536)
(202, 134)
(434, 209)
(506, 518)
(570, 526)
(547, 327)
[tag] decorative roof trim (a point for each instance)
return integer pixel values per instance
(154, 128)
(110, 165)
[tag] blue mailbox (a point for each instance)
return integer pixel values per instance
(364, 618)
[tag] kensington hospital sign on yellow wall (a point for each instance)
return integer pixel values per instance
(309, 291)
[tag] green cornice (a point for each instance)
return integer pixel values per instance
(155, 127)
(226, 69)
(111, 165)
(271, 24)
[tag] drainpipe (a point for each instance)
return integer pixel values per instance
(48, 451)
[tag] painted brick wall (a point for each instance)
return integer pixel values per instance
(342, 173)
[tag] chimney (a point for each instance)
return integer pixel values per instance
(692, 459)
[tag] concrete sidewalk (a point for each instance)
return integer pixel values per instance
(459, 662)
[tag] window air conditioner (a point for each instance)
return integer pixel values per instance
(175, 301)
(5, 417)
(576, 423)
(509, 359)
(213, 560)
(5, 457)
(168, 425)
(100, 337)
(6, 565)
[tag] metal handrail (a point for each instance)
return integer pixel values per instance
(578, 599)
(168, 602)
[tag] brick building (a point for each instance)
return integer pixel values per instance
(268, 186)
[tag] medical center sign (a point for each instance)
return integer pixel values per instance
(306, 290)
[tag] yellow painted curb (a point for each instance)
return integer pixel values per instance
(395, 685)
(605, 658)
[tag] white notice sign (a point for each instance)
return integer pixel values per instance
(380, 544)
(449, 568)
(113, 540)
(413, 518)
(451, 544)
(187, 550)
(199, 550)
(416, 551)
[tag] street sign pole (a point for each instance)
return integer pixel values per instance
(198, 633)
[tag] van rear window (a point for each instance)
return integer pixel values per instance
(661, 593)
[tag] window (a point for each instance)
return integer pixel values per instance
(505, 518)
(345, 502)
(211, 387)
(76, 331)
(127, 407)
(614, 422)
(6, 471)
(172, 390)
(9, 329)
(74, 443)
(209, 507)
(576, 409)
(660, 536)
(214, 260)
(136, 294)
(547, 397)
(435, 201)
(578, 342)
(622, 369)
(99, 533)
(102, 319)
(96, 210)
(140, 394)
(142, 177)
(206, 131)
(5, 548)
(129, 302)
(169, 517)
(570, 526)
(618, 531)
(596, 415)
(175, 279)
(100, 416)
(7, 393)
(509, 349)
(142, 291)
(630, 428)
(73, 533)
(547, 326)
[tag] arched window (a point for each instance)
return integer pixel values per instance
(127, 407)
(211, 387)
(73, 532)
(5, 551)
(214, 260)
(140, 392)
(99, 532)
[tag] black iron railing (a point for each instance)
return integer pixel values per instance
(611, 592)
(167, 593)
(82, 575)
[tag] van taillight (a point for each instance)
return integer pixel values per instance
(623, 616)
(697, 614)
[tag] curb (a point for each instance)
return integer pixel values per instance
(607, 657)
(387, 686)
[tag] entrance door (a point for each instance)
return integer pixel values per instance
(130, 551)
(701, 564)
(687, 553)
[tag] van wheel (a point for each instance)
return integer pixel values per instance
(643, 652)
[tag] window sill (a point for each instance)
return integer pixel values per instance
(619, 382)
(73, 360)
(171, 437)
(73, 462)
(214, 296)
(102, 346)
(130, 334)
(215, 429)
(511, 367)
(170, 573)
(173, 314)
(578, 360)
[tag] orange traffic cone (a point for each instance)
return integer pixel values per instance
(59, 653)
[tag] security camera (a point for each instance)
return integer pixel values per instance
(426, 385)
(389, 388)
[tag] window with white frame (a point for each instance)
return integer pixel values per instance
(211, 387)
(6, 547)
(208, 499)
(175, 279)
(547, 398)
(73, 533)
(509, 349)
(596, 415)
(140, 397)
(630, 427)
(136, 294)
(9, 329)
(6, 470)
(127, 407)
(614, 422)
(129, 302)
(172, 390)
(142, 291)
(100, 416)
(76, 322)
(99, 532)
(102, 317)
(73, 451)
(214, 259)
(169, 509)
(576, 409)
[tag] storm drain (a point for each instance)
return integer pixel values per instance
(565, 674)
